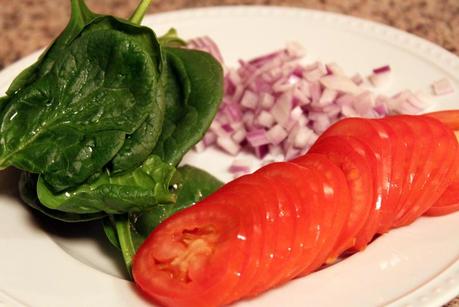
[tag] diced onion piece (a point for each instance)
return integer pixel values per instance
(380, 79)
(265, 119)
(266, 100)
(257, 137)
(239, 135)
(302, 137)
(228, 145)
(276, 134)
(382, 69)
(334, 69)
(249, 100)
(357, 79)
(341, 84)
(328, 97)
(282, 107)
(240, 167)
(442, 87)
(364, 103)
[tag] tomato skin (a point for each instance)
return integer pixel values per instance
(438, 170)
(350, 155)
(337, 206)
(449, 118)
(375, 137)
(308, 214)
(402, 161)
(285, 230)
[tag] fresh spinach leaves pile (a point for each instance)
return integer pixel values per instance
(100, 122)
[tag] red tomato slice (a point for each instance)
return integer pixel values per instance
(397, 174)
(402, 159)
(418, 168)
(180, 263)
(292, 209)
(252, 204)
(437, 170)
(337, 206)
(447, 203)
(450, 118)
(351, 157)
(285, 228)
(372, 134)
(267, 203)
(308, 214)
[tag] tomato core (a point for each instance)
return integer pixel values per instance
(191, 251)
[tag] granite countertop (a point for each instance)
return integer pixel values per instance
(28, 25)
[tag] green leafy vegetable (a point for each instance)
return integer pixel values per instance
(28, 194)
(71, 122)
(81, 16)
(171, 39)
(131, 191)
(101, 120)
(192, 100)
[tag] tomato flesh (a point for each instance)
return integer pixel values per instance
(350, 155)
(337, 206)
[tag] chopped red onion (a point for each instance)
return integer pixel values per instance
(328, 97)
(357, 79)
(249, 100)
(275, 104)
(282, 107)
(239, 166)
(257, 137)
(265, 119)
(442, 87)
(380, 79)
(239, 135)
(341, 84)
(276, 134)
(382, 69)
(228, 145)
(334, 69)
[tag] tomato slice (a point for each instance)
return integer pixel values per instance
(337, 205)
(449, 118)
(350, 155)
(402, 159)
(252, 204)
(418, 169)
(285, 229)
(308, 214)
(267, 203)
(447, 203)
(180, 263)
(438, 170)
(375, 136)
(397, 175)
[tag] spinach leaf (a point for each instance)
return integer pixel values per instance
(131, 191)
(192, 100)
(71, 122)
(171, 39)
(191, 185)
(108, 224)
(28, 194)
(139, 145)
(80, 17)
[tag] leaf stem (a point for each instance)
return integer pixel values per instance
(140, 11)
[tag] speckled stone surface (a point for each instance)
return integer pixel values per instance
(27, 25)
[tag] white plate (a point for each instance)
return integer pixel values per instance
(42, 264)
